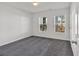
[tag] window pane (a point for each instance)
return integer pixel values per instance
(43, 23)
(59, 23)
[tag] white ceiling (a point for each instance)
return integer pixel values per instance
(27, 6)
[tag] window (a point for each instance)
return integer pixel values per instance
(43, 23)
(59, 23)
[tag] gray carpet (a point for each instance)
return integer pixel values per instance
(37, 46)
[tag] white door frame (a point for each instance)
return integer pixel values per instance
(73, 28)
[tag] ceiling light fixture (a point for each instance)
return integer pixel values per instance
(35, 3)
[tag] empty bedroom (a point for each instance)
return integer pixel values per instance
(39, 28)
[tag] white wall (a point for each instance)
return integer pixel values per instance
(14, 24)
(50, 31)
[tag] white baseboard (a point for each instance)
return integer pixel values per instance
(52, 37)
(21, 36)
(15, 38)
